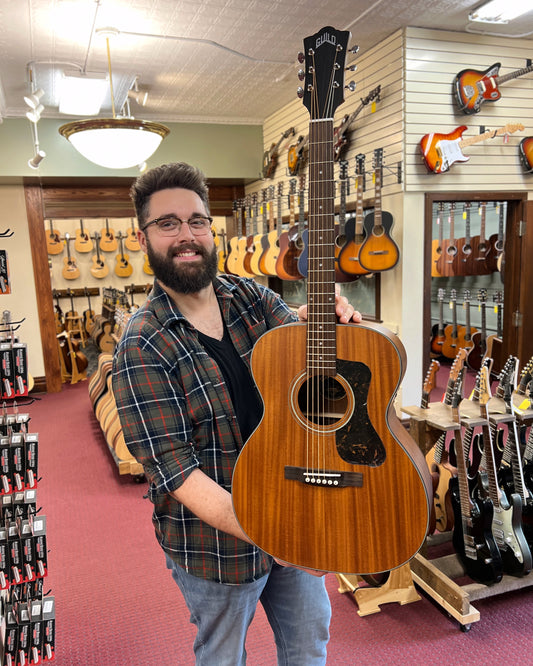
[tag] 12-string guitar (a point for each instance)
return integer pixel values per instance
(330, 480)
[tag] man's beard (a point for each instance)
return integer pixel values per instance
(188, 277)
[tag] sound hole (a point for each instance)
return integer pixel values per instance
(323, 400)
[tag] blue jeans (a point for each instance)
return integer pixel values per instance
(296, 604)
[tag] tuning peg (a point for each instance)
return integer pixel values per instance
(301, 57)
(354, 49)
(301, 74)
(351, 86)
(351, 68)
(300, 92)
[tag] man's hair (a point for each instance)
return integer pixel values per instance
(166, 176)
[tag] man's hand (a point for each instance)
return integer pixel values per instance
(344, 310)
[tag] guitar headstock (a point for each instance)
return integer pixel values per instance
(360, 165)
(377, 160)
(484, 387)
(325, 57)
(482, 295)
(372, 95)
(343, 170)
(457, 391)
(453, 295)
(507, 379)
(440, 294)
(430, 380)
(466, 296)
(458, 364)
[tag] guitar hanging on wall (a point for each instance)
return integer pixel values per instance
(525, 148)
(270, 156)
(328, 493)
(340, 139)
(441, 151)
(472, 87)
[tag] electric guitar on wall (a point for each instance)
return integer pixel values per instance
(341, 444)
(340, 139)
(472, 87)
(270, 156)
(525, 148)
(441, 151)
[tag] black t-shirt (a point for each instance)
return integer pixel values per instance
(244, 395)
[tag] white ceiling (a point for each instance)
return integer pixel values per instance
(229, 61)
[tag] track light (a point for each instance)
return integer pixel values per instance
(138, 96)
(34, 100)
(37, 159)
(35, 115)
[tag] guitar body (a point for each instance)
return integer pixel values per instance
(83, 242)
(486, 567)
(233, 255)
(108, 241)
(472, 87)
(436, 251)
(287, 261)
(526, 153)
(70, 269)
(258, 249)
(442, 502)
(99, 269)
(54, 244)
(367, 442)
(123, 268)
(440, 151)
(269, 257)
(378, 251)
(349, 255)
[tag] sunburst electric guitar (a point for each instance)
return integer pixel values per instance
(329, 475)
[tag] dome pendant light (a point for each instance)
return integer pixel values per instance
(114, 143)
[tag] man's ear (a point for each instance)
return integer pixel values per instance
(141, 237)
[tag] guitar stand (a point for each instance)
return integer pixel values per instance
(399, 587)
(437, 577)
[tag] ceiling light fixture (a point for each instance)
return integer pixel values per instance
(35, 114)
(117, 142)
(500, 11)
(82, 94)
(34, 100)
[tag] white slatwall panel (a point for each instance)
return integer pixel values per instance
(433, 58)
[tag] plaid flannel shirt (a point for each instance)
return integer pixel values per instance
(176, 415)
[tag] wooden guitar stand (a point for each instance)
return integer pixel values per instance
(399, 587)
(74, 376)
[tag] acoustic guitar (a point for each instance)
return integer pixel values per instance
(496, 241)
(123, 268)
(472, 87)
(448, 257)
(287, 261)
(267, 262)
(378, 251)
(83, 242)
(450, 346)
(260, 241)
(495, 341)
(349, 255)
(436, 243)
(480, 245)
(479, 338)
(88, 314)
(330, 488)
(340, 228)
(233, 243)
(54, 244)
(70, 267)
(438, 337)
(108, 240)
(222, 253)
(99, 269)
(131, 241)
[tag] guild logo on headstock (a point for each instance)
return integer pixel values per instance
(326, 38)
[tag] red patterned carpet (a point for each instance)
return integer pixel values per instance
(117, 604)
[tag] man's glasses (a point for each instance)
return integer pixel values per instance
(170, 225)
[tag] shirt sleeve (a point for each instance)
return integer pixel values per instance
(152, 408)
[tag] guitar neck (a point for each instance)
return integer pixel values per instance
(321, 323)
(514, 75)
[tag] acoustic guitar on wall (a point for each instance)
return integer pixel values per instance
(108, 240)
(99, 269)
(379, 251)
(70, 267)
(83, 242)
(54, 244)
(123, 268)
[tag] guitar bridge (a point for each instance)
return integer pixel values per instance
(323, 477)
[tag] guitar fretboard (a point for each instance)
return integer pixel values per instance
(321, 324)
